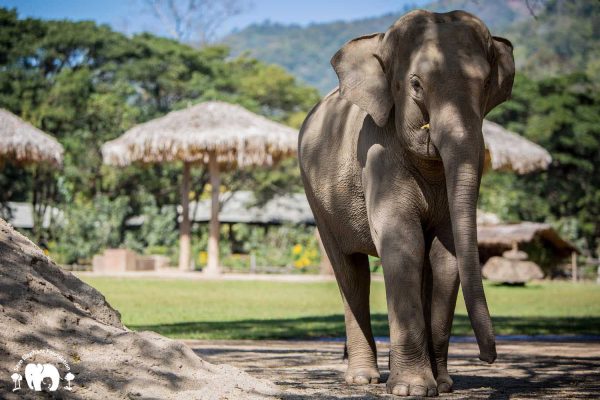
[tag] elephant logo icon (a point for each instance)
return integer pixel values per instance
(38, 374)
(41, 369)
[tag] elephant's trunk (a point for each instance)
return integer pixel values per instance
(462, 151)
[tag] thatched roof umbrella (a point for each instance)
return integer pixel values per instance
(508, 151)
(219, 134)
(24, 143)
(502, 236)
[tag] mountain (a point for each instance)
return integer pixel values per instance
(305, 51)
(563, 38)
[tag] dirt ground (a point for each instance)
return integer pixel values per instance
(314, 369)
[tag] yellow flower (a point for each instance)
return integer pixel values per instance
(297, 249)
(202, 258)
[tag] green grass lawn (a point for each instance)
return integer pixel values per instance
(276, 310)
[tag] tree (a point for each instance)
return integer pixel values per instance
(195, 21)
(560, 114)
(87, 84)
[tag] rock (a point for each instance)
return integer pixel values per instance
(47, 310)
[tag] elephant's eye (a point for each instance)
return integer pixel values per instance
(416, 88)
(415, 84)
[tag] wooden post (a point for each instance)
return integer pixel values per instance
(212, 267)
(574, 266)
(252, 263)
(184, 226)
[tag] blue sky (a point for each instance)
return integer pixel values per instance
(127, 15)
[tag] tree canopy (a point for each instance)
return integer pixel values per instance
(561, 114)
(85, 84)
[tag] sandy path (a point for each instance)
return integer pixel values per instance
(314, 369)
(171, 273)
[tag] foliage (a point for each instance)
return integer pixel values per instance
(268, 182)
(293, 310)
(158, 231)
(561, 114)
(86, 84)
(273, 247)
(562, 39)
(87, 227)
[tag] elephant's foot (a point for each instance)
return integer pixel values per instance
(362, 375)
(444, 382)
(412, 384)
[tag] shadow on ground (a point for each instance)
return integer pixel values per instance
(333, 326)
(314, 369)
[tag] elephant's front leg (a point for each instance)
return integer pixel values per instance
(444, 290)
(402, 254)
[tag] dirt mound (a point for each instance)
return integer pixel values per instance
(48, 316)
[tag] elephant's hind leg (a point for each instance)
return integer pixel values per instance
(444, 290)
(354, 280)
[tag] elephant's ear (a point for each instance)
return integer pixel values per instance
(362, 78)
(502, 74)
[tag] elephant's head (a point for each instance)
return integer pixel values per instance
(35, 374)
(444, 72)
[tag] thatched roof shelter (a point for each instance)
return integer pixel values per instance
(24, 143)
(237, 136)
(503, 236)
(507, 151)
(219, 134)
(239, 207)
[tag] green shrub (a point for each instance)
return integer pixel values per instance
(87, 228)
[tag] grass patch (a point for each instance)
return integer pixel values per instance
(282, 310)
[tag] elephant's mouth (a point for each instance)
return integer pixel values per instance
(431, 152)
(417, 141)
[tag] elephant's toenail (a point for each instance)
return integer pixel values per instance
(432, 392)
(400, 390)
(444, 388)
(416, 390)
(374, 380)
(361, 380)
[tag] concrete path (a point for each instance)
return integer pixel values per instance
(524, 370)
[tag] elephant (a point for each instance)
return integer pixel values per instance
(391, 161)
(36, 373)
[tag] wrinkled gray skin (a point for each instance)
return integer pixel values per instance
(380, 185)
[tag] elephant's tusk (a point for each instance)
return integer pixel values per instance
(426, 126)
